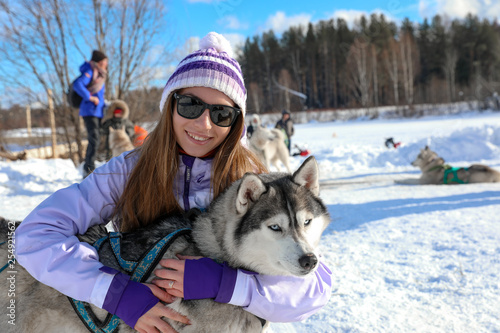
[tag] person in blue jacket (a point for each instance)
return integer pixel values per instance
(91, 87)
(192, 155)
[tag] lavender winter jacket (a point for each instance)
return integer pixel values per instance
(47, 247)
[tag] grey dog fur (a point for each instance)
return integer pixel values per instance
(225, 232)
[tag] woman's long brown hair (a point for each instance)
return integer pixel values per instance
(149, 192)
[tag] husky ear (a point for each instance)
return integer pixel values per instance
(308, 175)
(249, 191)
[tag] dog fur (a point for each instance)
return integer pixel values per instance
(433, 170)
(269, 145)
(268, 223)
(119, 141)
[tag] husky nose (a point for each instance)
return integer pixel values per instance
(308, 261)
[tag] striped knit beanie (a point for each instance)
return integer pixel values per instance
(212, 66)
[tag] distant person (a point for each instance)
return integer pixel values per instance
(286, 124)
(117, 116)
(254, 123)
(90, 86)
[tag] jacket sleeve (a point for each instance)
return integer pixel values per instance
(46, 242)
(283, 299)
(80, 84)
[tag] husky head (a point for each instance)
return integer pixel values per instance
(279, 221)
(425, 158)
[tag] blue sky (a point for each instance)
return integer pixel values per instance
(238, 19)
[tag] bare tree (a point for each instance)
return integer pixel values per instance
(35, 38)
(373, 52)
(257, 96)
(130, 40)
(391, 56)
(285, 80)
(449, 68)
(42, 39)
(409, 57)
(359, 71)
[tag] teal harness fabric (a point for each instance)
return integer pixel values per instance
(9, 262)
(139, 272)
(455, 178)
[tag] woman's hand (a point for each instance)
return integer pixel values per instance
(94, 99)
(152, 320)
(172, 279)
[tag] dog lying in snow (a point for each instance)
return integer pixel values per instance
(435, 171)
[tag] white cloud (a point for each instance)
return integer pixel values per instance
(279, 22)
(236, 41)
(232, 22)
(460, 8)
(193, 43)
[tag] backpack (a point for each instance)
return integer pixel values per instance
(72, 96)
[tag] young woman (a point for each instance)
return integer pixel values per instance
(191, 156)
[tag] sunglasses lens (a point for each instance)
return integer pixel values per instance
(189, 107)
(222, 115)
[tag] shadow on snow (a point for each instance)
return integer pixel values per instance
(351, 216)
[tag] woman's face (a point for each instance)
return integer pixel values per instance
(197, 137)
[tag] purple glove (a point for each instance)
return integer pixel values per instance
(129, 300)
(204, 278)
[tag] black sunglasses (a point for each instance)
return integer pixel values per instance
(191, 108)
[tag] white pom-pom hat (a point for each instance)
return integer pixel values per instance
(211, 66)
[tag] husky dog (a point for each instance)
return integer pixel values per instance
(119, 141)
(269, 145)
(435, 171)
(268, 223)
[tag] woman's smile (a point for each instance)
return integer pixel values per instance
(199, 136)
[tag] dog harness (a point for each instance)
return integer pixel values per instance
(139, 272)
(450, 170)
(455, 178)
(9, 262)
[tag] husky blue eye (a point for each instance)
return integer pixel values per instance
(275, 227)
(307, 222)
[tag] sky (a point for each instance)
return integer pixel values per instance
(404, 258)
(239, 19)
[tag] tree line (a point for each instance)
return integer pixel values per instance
(374, 63)
(42, 43)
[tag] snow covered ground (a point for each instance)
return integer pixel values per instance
(405, 258)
